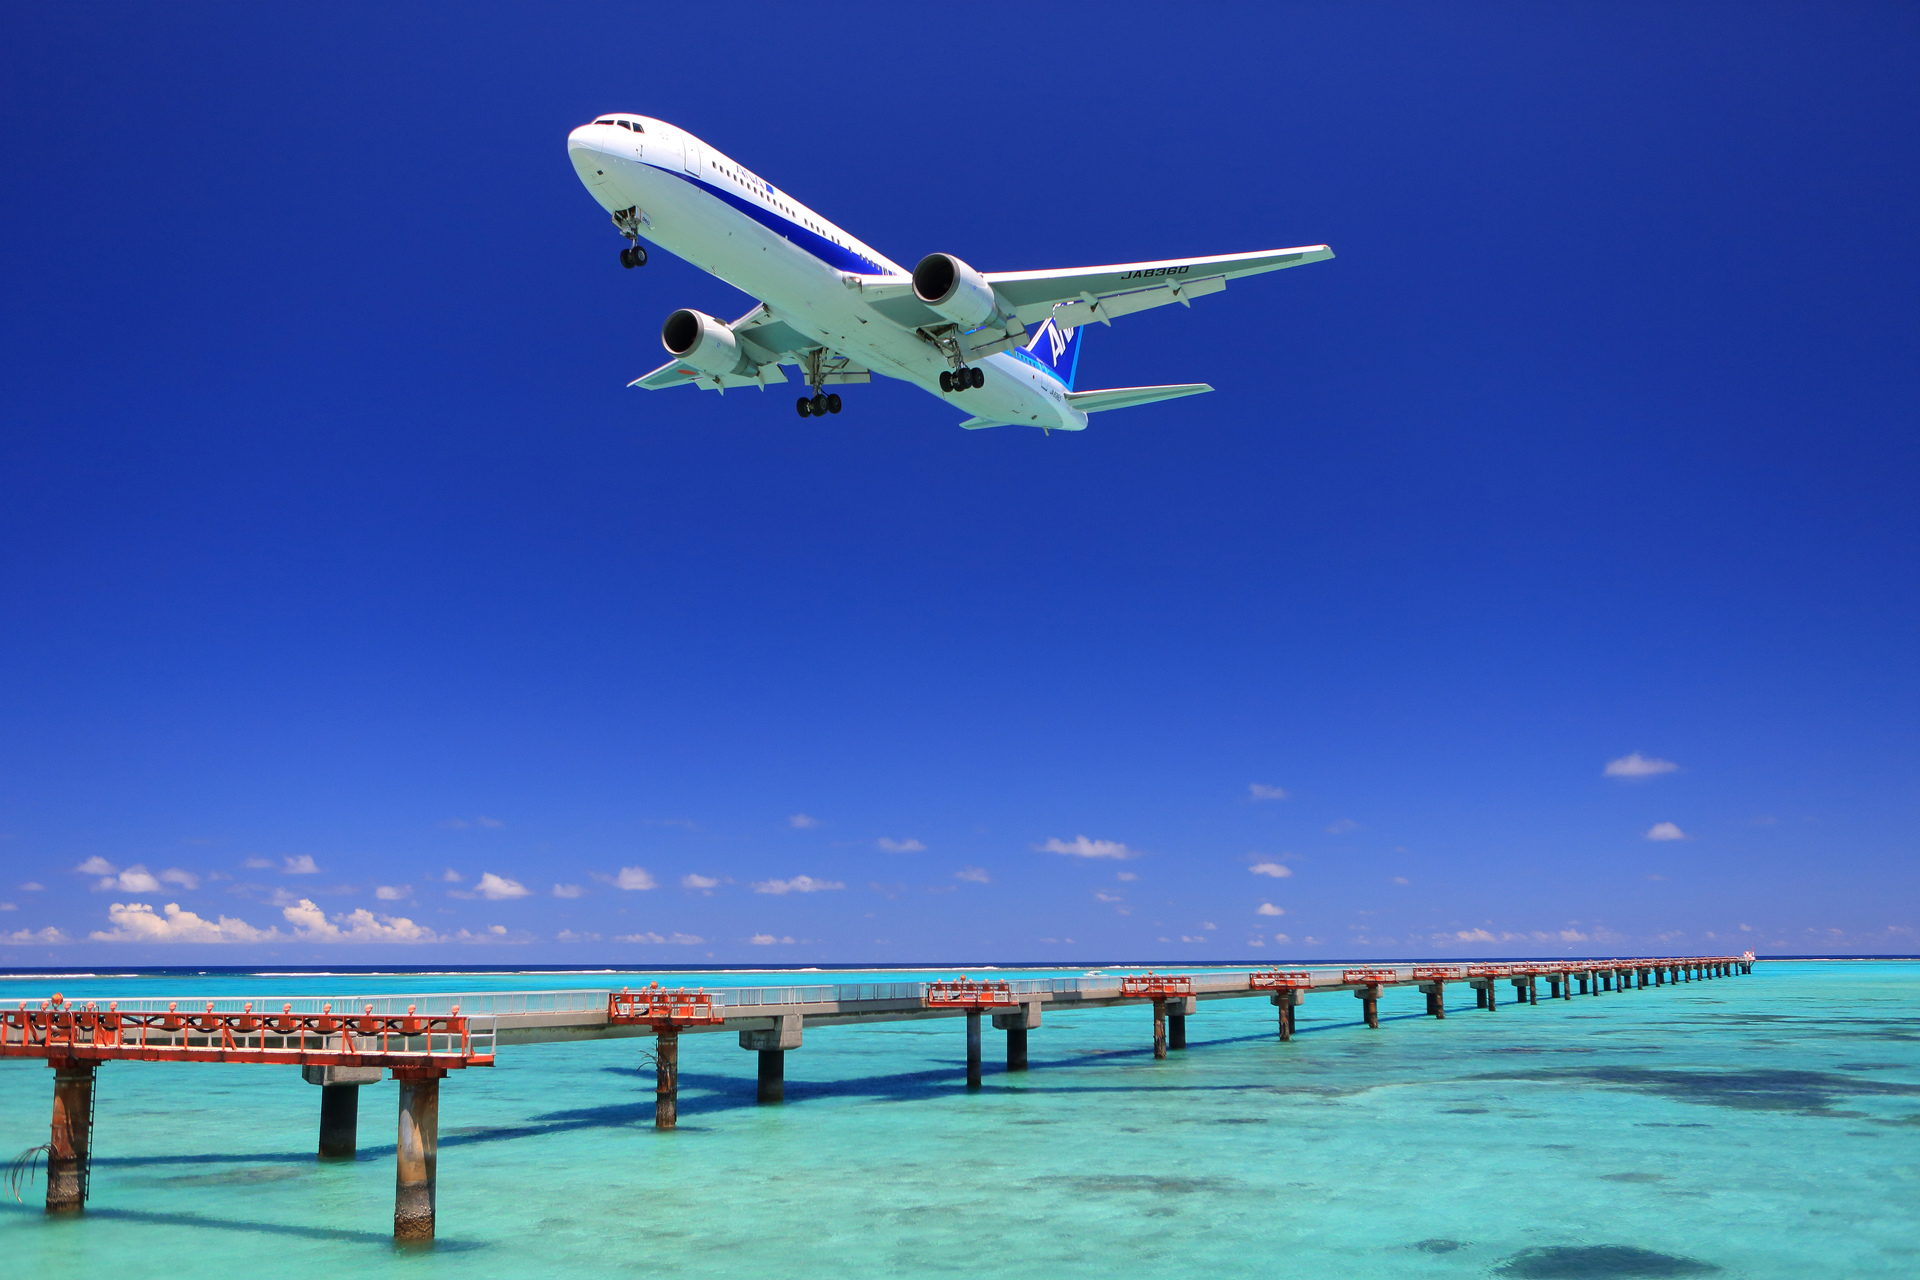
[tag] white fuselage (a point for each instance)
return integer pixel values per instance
(704, 207)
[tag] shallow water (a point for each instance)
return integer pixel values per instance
(1758, 1126)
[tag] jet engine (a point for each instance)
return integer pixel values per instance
(696, 339)
(955, 290)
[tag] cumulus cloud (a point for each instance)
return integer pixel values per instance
(96, 866)
(33, 886)
(1572, 935)
(185, 879)
(256, 864)
(450, 876)
(499, 888)
(973, 875)
(48, 936)
(1278, 870)
(1126, 876)
(672, 939)
(568, 935)
(908, 845)
(802, 821)
(1638, 766)
(1081, 847)
(1401, 880)
(8, 906)
(138, 922)
(1261, 791)
(567, 891)
(799, 884)
(1340, 826)
(704, 884)
(310, 924)
(392, 892)
(1665, 831)
(135, 879)
(1268, 909)
(768, 940)
(1474, 935)
(300, 864)
(1283, 939)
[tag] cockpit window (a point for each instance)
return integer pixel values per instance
(608, 120)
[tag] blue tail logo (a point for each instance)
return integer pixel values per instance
(1055, 350)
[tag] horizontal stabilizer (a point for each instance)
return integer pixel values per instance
(1127, 397)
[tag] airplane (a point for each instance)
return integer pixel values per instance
(1002, 345)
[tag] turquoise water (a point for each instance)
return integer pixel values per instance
(1766, 1125)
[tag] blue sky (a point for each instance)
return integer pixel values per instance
(352, 605)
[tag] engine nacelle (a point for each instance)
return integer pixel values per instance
(696, 339)
(955, 290)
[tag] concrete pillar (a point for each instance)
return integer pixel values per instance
(72, 1135)
(1159, 1027)
(1659, 975)
(339, 1120)
(416, 1153)
(1479, 994)
(1016, 1025)
(1284, 1002)
(1176, 1031)
(1533, 990)
(666, 1077)
(1519, 990)
(1369, 998)
(973, 1048)
(772, 1045)
(1436, 998)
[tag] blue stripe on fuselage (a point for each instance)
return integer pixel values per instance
(837, 256)
(1028, 356)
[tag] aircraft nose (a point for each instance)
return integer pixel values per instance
(589, 153)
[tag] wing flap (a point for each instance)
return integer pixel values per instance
(1032, 295)
(1128, 397)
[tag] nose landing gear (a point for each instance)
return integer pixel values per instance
(628, 223)
(633, 256)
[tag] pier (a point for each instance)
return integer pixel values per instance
(421, 1040)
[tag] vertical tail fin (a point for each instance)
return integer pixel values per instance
(1054, 350)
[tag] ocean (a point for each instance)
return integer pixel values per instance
(1754, 1126)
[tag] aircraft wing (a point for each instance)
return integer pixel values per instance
(1085, 294)
(768, 342)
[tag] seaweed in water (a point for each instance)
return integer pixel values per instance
(1598, 1262)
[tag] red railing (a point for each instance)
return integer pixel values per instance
(1156, 985)
(1368, 977)
(1437, 972)
(964, 993)
(1280, 980)
(58, 1029)
(656, 1006)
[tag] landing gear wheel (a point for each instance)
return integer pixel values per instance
(946, 379)
(976, 377)
(833, 403)
(633, 256)
(805, 406)
(820, 406)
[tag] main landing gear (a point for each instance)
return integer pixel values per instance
(633, 256)
(962, 378)
(817, 405)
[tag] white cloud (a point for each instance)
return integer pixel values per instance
(135, 879)
(185, 879)
(1278, 870)
(1665, 831)
(973, 875)
(1401, 880)
(1340, 826)
(1572, 935)
(300, 864)
(33, 886)
(768, 940)
(1126, 876)
(1099, 896)
(310, 924)
(799, 884)
(450, 876)
(256, 864)
(1268, 909)
(1474, 935)
(1081, 847)
(703, 883)
(1261, 791)
(461, 824)
(8, 906)
(1208, 924)
(497, 930)
(568, 935)
(802, 821)
(908, 845)
(1283, 939)
(499, 888)
(1638, 766)
(392, 892)
(96, 866)
(630, 878)
(567, 891)
(48, 936)
(138, 922)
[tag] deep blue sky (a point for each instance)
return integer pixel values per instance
(330, 536)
